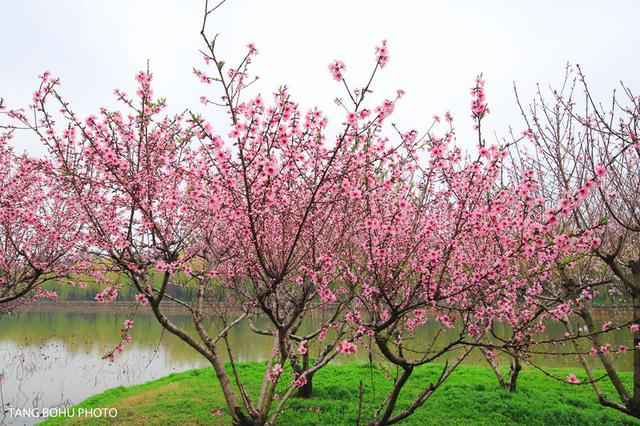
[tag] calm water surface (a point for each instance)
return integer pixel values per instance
(52, 358)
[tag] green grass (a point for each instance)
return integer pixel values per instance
(470, 396)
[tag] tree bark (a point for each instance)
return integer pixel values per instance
(604, 358)
(306, 391)
(494, 366)
(515, 372)
(634, 403)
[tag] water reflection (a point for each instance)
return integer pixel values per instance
(53, 358)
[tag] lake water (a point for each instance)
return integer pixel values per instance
(51, 357)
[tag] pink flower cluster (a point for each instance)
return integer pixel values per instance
(479, 106)
(216, 412)
(274, 373)
(382, 54)
(572, 378)
(336, 68)
(347, 347)
(142, 299)
(107, 295)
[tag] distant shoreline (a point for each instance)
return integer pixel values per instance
(92, 306)
(89, 306)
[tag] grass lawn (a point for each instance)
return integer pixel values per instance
(470, 396)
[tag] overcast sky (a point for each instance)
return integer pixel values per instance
(436, 50)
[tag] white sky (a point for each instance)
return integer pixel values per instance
(436, 50)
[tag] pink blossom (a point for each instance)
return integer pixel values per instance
(347, 347)
(216, 411)
(323, 334)
(336, 68)
(449, 117)
(572, 378)
(252, 49)
(275, 372)
(301, 381)
(528, 133)
(382, 54)
(142, 299)
(479, 105)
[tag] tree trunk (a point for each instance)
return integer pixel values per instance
(515, 371)
(604, 358)
(494, 366)
(306, 391)
(634, 403)
(238, 417)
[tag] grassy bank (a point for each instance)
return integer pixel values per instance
(470, 396)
